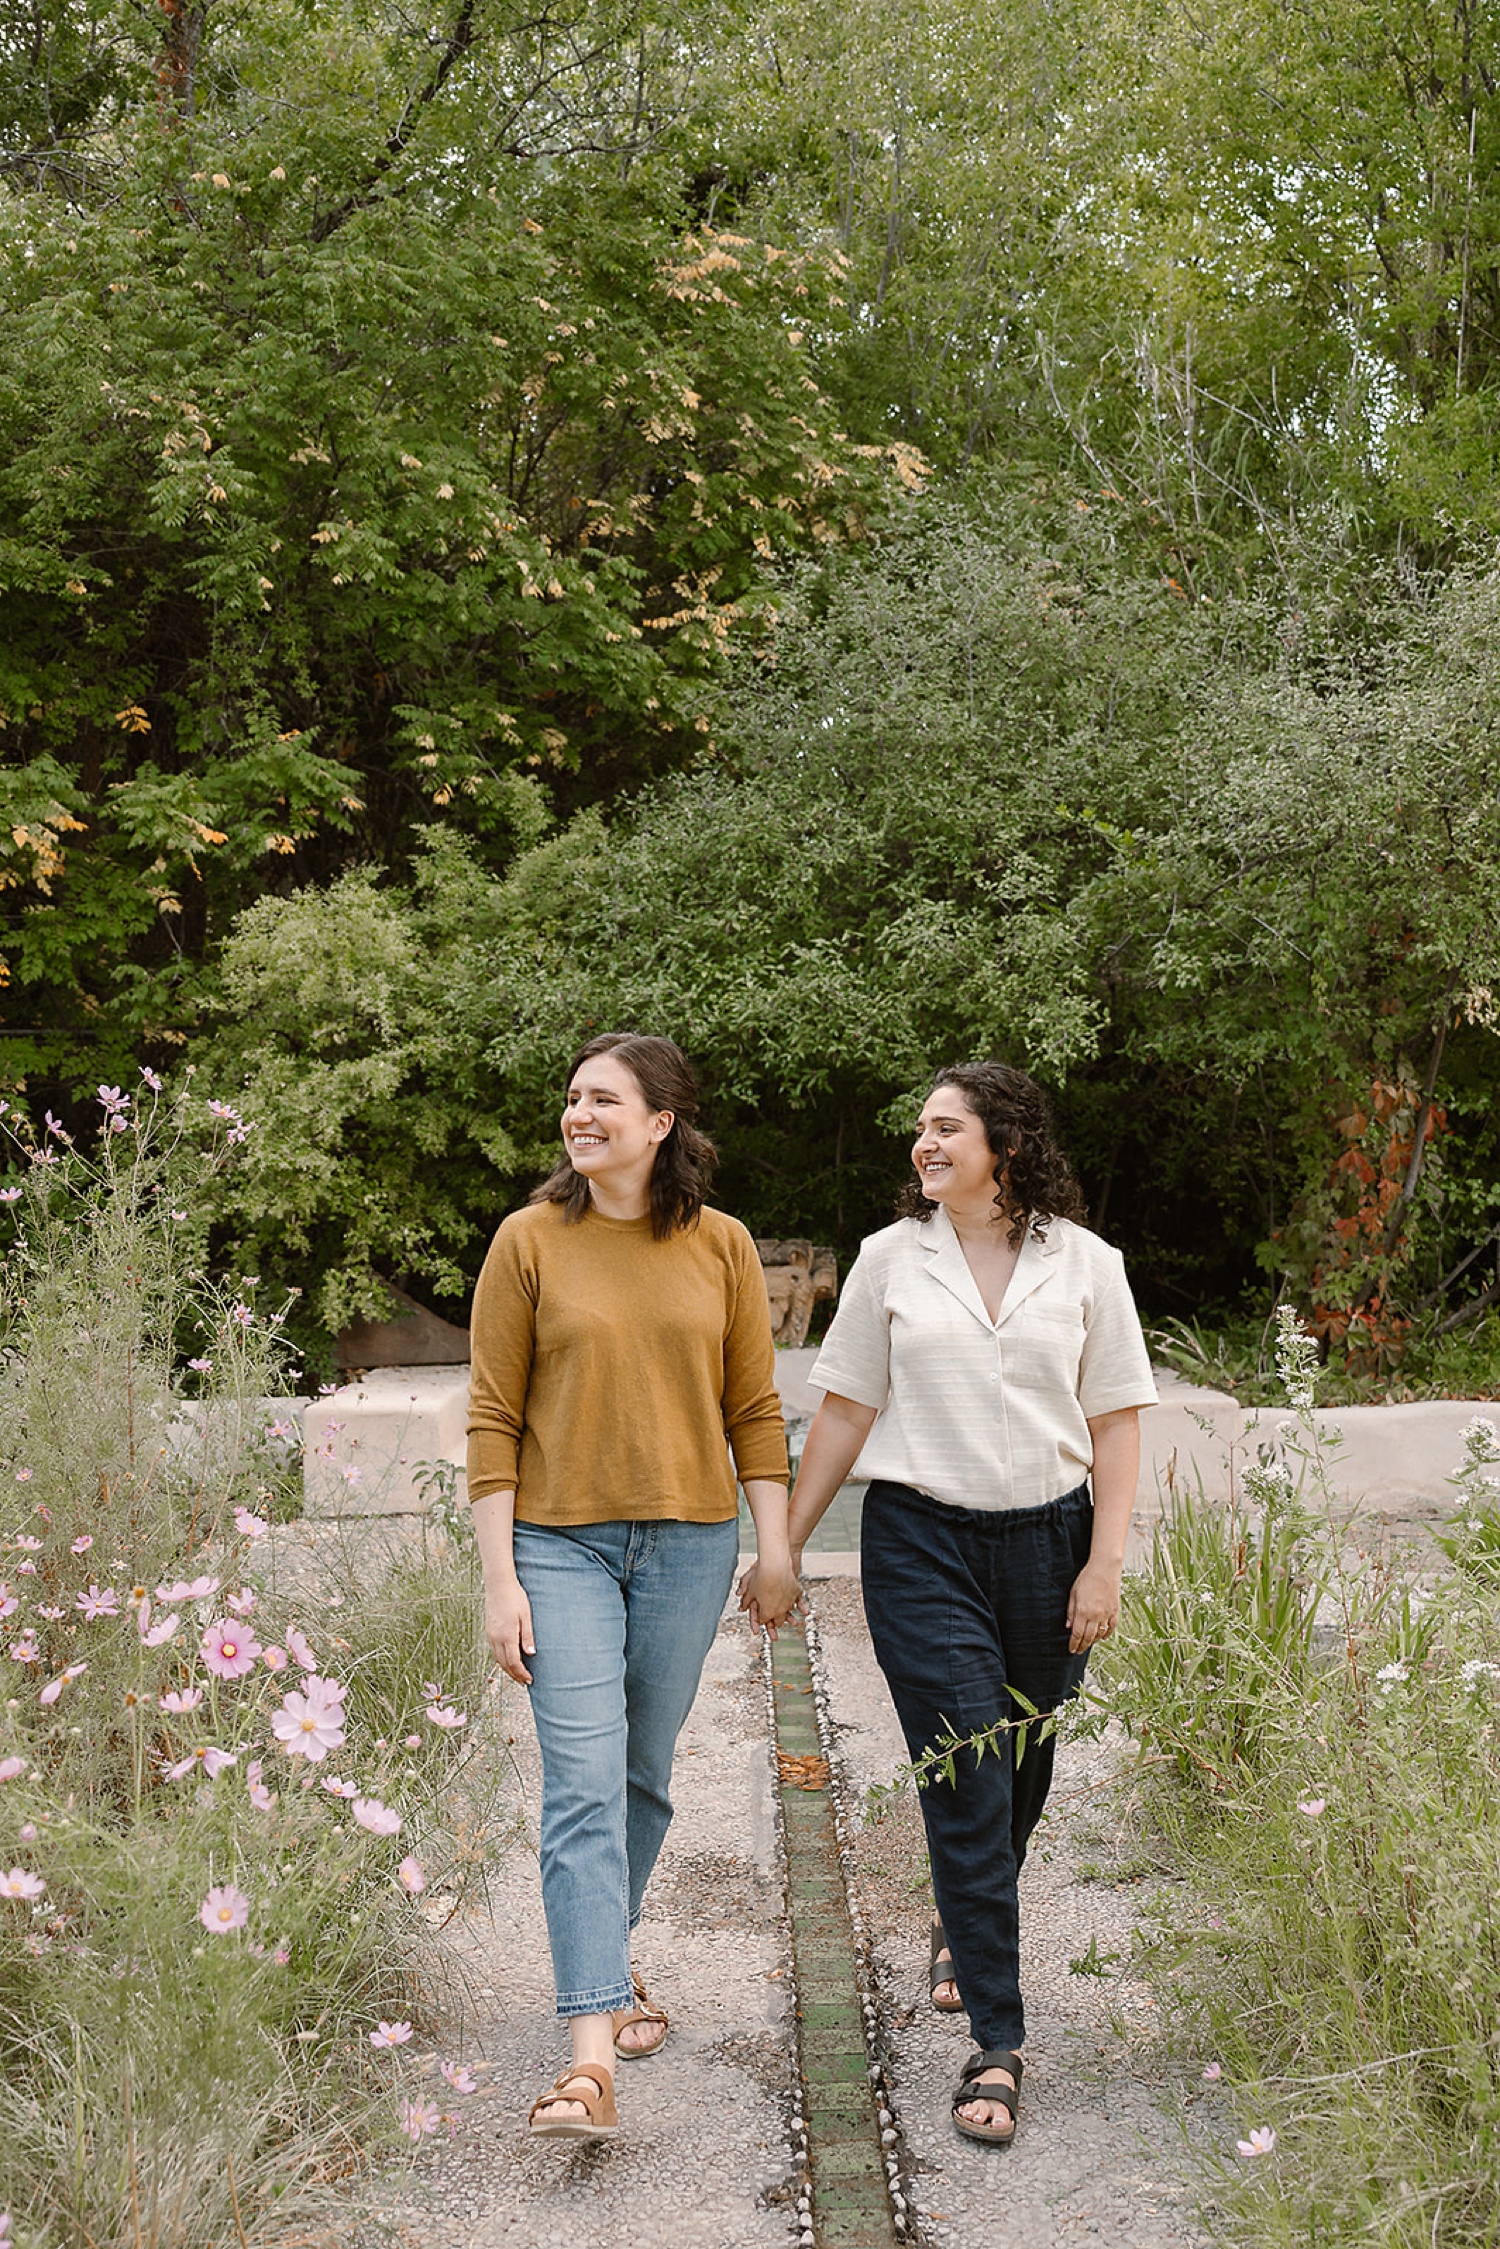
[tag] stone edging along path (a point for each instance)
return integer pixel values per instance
(751, 2128)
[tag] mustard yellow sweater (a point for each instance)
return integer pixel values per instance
(608, 1369)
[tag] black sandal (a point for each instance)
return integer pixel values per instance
(1004, 2096)
(941, 1972)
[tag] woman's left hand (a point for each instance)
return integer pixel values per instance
(1093, 1605)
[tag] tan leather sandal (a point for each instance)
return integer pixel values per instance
(588, 2086)
(642, 2012)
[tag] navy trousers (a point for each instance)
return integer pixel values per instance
(963, 1604)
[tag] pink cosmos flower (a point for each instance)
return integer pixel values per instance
(54, 1687)
(377, 1817)
(19, 1884)
(1314, 1807)
(151, 1079)
(82, 1544)
(309, 1725)
(433, 1692)
(248, 1525)
(229, 1650)
(9, 1602)
(26, 1568)
(182, 1699)
(30, 1545)
(461, 2079)
(441, 1715)
(262, 1797)
(390, 2034)
(299, 1650)
(28, 1832)
(224, 1908)
(95, 1604)
(208, 1760)
(274, 1659)
(24, 1650)
(188, 1589)
(281, 1956)
(1261, 2141)
(337, 1787)
(242, 1602)
(49, 1610)
(1212, 2072)
(419, 2119)
(412, 1741)
(162, 1632)
(199, 1366)
(409, 1874)
(11, 1768)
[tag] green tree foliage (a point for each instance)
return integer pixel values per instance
(453, 599)
(1210, 875)
(375, 430)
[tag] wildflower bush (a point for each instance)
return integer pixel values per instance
(232, 1806)
(1320, 1736)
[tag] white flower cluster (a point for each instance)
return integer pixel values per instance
(1296, 1358)
(1480, 1441)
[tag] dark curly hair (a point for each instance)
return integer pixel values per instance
(684, 1160)
(1033, 1179)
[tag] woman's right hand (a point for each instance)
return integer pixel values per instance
(507, 1627)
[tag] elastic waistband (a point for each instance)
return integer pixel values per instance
(994, 1519)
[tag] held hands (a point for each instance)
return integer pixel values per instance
(770, 1594)
(1093, 1605)
(507, 1627)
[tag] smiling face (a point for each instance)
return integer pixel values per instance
(952, 1158)
(610, 1133)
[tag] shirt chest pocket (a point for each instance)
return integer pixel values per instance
(1043, 1346)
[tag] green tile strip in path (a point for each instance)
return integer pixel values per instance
(850, 2196)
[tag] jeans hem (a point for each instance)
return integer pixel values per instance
(602, 2002)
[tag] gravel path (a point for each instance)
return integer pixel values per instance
(704, 2160)
(1096, 2154)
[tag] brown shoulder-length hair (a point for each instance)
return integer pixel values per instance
(1034, 1181)
(684, 1160)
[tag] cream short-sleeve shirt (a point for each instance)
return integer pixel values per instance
(980, 1412)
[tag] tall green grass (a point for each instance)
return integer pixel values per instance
(169, 2080)
(1320, 1760)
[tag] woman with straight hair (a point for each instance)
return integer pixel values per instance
(987, 1360)
(620, 1335)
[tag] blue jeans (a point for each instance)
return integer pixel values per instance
(623, 1615)
(963, 1604)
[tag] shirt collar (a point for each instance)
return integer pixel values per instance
(950, 1268)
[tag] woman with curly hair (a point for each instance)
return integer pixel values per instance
(620, 1335)
(987, 1361)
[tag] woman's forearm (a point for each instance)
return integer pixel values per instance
(494, 1520)
(768, 1511)
(1117, 1466)
(839, 1429)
